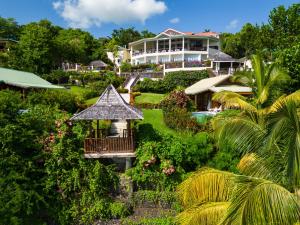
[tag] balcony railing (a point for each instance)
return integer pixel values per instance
(187, 64)
(109, 145)
(102, 144)
(150, 51)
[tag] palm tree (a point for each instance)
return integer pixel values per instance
(261, 80)
(266, 190)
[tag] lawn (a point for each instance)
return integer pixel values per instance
(149, 98)
(91, 101)
(77, 90)
(155, 117)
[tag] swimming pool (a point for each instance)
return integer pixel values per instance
(204, 116)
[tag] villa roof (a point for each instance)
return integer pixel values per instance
(23, 79)
(208, 34)
(175, 33)
(233, 88)
(212, 84)
(109, 106)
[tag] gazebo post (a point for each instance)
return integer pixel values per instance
(91, 129)
(128, 128)
(97, 129)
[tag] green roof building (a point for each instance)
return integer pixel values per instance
(24, 80)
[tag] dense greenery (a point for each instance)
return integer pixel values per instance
(44, 177)
(278, 40)
(281, 32)
(43, 47)
(171, 81)
(267, 135)
(163, 160)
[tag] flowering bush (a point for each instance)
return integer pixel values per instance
(177, 109)
(163, 161)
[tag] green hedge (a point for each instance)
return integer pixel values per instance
(171, 81)
(146, 105)
(164, 199)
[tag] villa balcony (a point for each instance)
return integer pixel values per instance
(179, 49)
(187, 64)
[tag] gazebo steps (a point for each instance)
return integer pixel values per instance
(109, 155)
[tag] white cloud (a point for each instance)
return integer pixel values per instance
(174, 20)
(232, 25)
(86, 13)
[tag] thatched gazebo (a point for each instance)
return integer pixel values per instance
(117, 142)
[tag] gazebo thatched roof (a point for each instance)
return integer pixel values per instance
(98, 63)
(110, 106)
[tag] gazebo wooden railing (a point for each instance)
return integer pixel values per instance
(110, 144)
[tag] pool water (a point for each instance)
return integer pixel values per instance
(203, 117)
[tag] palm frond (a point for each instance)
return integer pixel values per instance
(205, 185)
(258, 201)
(274, 75)
(254, 165)
(243, 77)
(285, 131)
(244, 133)
(259, 72)
(205, 214)
(233, 100)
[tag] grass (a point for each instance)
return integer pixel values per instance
(149, 98)
(155, 117)
(91, 101)
(77, 90)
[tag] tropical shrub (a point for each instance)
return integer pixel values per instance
(98, 87)
(57, 77)
(22, 175)
(120, 210)
(147, 105)
(163, 160)
(125, 67)
(152, 86)
(184, 79)
(63, 99)
(171, 81)
(177, 108)
(10, 104)
(164, 199)
(162, 220)
(78, 188)
(44, 177)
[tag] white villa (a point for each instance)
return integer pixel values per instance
(179, 51)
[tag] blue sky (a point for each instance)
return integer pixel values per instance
(100, 17)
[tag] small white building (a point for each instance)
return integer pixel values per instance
(122, 56)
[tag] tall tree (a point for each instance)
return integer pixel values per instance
(125, 36)
(9, 28)
(231, 44)
(285, 24)
(147, 34)
(34, 52)
(290, 59)
(74, 45)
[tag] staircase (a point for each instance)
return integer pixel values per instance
(131, 81)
